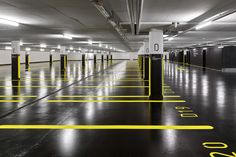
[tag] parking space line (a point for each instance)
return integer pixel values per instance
(111, 127)
(117, 101)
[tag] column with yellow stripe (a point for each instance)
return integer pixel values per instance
(15, 58)
(156, 77)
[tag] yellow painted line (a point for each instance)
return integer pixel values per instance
(112, 96)
(111, 86)
(118, 80)
(18, 96)
(111, 127)
(12, 100)
(98, 96)
(118, 101)
(171, 96)
(28, 86)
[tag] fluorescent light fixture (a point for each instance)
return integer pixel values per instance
(68, 50)
(8, 48)
(21, 43)
(42, 50)
(203, 25)
(106, 46)
(43, 45)
(165, 36)
(9, 22)
(90, 42)
(171, 38)
(204, 48)
(52, 50)
(71, 48)
(80, 49)
(111, 48)
(58, 46)
(27, 49)
(215, 16)
(221, 47)
(74, 51)
(100, 45)
(67, 36)
(194, 49)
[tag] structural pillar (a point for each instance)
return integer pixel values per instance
(156, 66)
(95, 58)
(15, 60)
(83, 61)
(102, 58)
(50, 59)
(63, 59)
(27, 61)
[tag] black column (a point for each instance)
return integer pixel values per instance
(156, 77)
(107, 58)
(146, 67)
(83, 60)
(63, 62)
(94, 58)
(27, 61)
(50, 59)
(102, 58)
(15, 66)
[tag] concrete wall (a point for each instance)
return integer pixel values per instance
(229, 57)
(214, 58)
(36, 56)
(115, 56)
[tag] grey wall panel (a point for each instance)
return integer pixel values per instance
(214, 58)
(229, 57)
(196, 57)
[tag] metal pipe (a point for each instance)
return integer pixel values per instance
(139, 15)
(130, 8)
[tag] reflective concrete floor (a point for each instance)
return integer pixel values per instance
(114, 94)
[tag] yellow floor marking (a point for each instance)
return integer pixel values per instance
(111, 127)
(118, 80)
(28, 86)
(111, 86)
(112, 96)
(18, 96)
(98, 96)
(118, 101)
(12, 100)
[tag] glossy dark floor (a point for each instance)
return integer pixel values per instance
(210, 100)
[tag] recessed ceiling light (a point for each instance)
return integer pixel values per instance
(67, 36)
(58, 46)
(100, 45)
(27, 49)
(90, 42)
(42, 50)
(8, 48)
(43, 45)
(203, 25)
(71, 48)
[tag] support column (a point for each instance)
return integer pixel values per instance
(15, 60)
(63, 59)
(102, 58)
(27, 61)
(95, 58)
(83, 61)
(156, 78)
(50, 59)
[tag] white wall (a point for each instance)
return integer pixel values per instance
(125, 55)
(35, 56)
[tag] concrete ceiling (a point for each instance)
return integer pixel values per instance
(44, 21)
